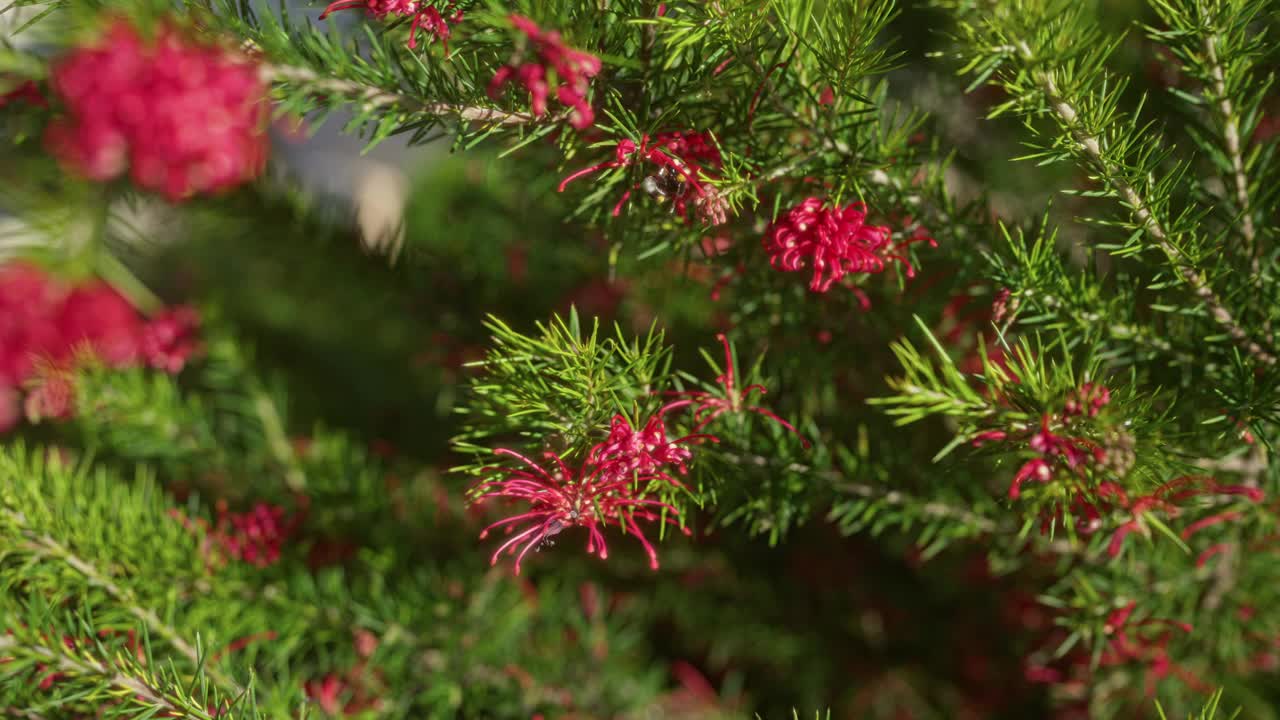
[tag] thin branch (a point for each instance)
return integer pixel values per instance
(1251, 466)
(86, 667)
(23, 713)
(1231, 137)
(278, 441)
(46, 546)
(1251, 469)
(372, 97)
(893, 497)
(1198, 283)
(932, 508)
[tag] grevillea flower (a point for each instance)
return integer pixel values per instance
(833, 242)
(254, 537)
(96, 318)
(563, 498)
(987, 436)
(30, 301)
(707, 406)
(341, 695)
(47, 329)
(1145, 641)
(181, 117)
(1036, 469)
(1088, 399)
(10, 413)
(1000, 306)
(52, 395)
(683, 161)
(645, 451)
(1056, 449)
(424, 16)
(1075, 451)
(169, 340)
(1167, 500)
(558, 67)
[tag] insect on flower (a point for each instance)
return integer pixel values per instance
(682, 159)
(666, 184)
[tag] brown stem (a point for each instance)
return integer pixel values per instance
(84, 666)
(47, 547)
(372, 97)
(1198, 283)
(1231, 137)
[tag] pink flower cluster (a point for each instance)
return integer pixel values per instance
(611, 487)
(571, 79)
(685, 158)
(833, 242)
(425, 17)
(645, 451)
(1168, 499)
(1136, 642)
(1057, 450)
(45, 327)
(181, 117)
(254, 537)
(1126, 642)
(1090, 504)
(613, 484)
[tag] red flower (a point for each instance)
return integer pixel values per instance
(254, 537)
(1211, 520)
(1089, 399)
(1076, 451)
(708, 407)
(330, 691)
(1135, 642)
(628, 450)
(833, 241)
(1210, 551)
(169, 340)
(987, 436)
(182, 117)
(10, 413)
(53, 395)
(573, 72)
(1036, 469)
(587, 497)
(29, 303)
(97, 318)
(1165, 499)
(424, 16)
(325, 692)
(1000, 306)
(680, 177)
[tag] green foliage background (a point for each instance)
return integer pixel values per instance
(881, 574)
